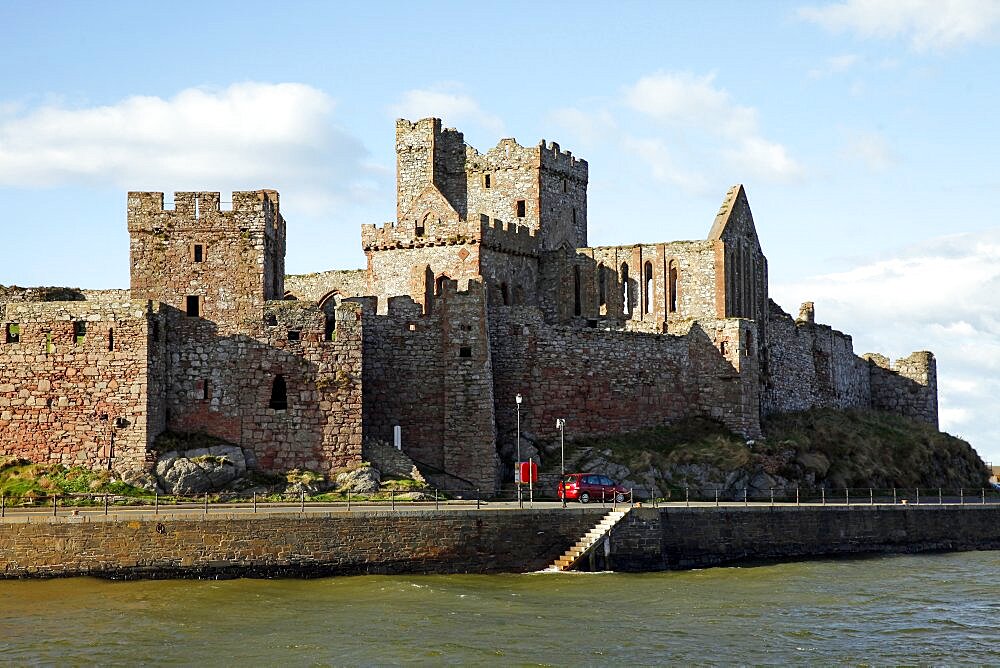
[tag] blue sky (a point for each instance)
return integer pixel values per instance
(864, 132)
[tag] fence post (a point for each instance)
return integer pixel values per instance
(302, 500)
(939, 496)
(847, 496)
(206, 503)
(772, 496)
(55, 504)
(477, 498)
(156, 503)
(392, 498)
(348, 498)
(3, 505)
(893, 496)
(105, 504)
(255, 502)
(796, 496)
(687, 498)
(961, 496)
(823, 490)
(983, 491)
(437, 506)
(716, 497)
(871, 497)
(918, 496)
(745, 502)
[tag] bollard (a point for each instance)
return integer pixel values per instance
(477, 498)
(156, 503)
(796, 496)
(302, 500)
(206, 503)
(255, 502)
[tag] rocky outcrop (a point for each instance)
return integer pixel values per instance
(200, 470)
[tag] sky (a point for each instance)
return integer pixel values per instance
(864, 132)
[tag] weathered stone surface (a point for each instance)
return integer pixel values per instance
(362, 480)
(200, 470)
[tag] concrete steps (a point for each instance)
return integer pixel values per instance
(588, 541)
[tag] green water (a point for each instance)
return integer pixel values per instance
(928, 609)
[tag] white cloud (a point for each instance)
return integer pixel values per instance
(683, 102)
(938, 296)
(246, 136)
(835, 65)
(454, 107)
(870, 149)
(926, 24)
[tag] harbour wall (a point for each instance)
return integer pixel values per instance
(472, 541)
(672, 538)
(294, 545)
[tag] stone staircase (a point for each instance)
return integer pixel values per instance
(585, 544)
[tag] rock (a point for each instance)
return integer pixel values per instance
(199, 470)
(362, 480)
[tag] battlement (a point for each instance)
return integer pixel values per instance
(409, 234)
(509, 237)
(552, 157)
(920, 367)
(248, 209)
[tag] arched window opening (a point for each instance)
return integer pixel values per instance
(279, 394)
(577, 301)
(673, 286)
(428, 291)
(440, 284)
(602, 285)
(505, 294)
(289, 297)
(649, 287)
(626, 297)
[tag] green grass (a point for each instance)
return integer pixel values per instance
(20, 479)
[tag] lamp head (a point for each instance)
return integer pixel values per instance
(518, 399)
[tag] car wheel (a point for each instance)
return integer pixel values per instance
(584, 498)
(619, 498)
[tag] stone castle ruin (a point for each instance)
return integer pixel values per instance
(484, 287)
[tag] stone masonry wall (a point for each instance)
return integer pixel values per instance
(651, 539)
(909, 387)
(263, 545)
(606, 382)
(431, 374)
(81, 383)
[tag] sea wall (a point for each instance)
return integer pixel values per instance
(269, 545)
(650, 539)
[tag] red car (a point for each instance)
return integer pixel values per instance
(586, 487)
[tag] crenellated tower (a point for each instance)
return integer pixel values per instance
(210, 261)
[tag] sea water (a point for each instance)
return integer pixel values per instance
(928, 609)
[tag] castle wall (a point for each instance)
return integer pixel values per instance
(432, 375)
(606, 382)
(319, 287)
(231, 260)
(908, 387)
(811, 365)
(80, 383)
(227, 385)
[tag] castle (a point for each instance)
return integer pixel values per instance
(482, 289)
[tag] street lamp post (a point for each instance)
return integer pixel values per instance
(561, 426)
(517, 465)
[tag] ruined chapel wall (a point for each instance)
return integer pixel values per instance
(77, 378)
(225, 385)
(316, 287)
(404, 271)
